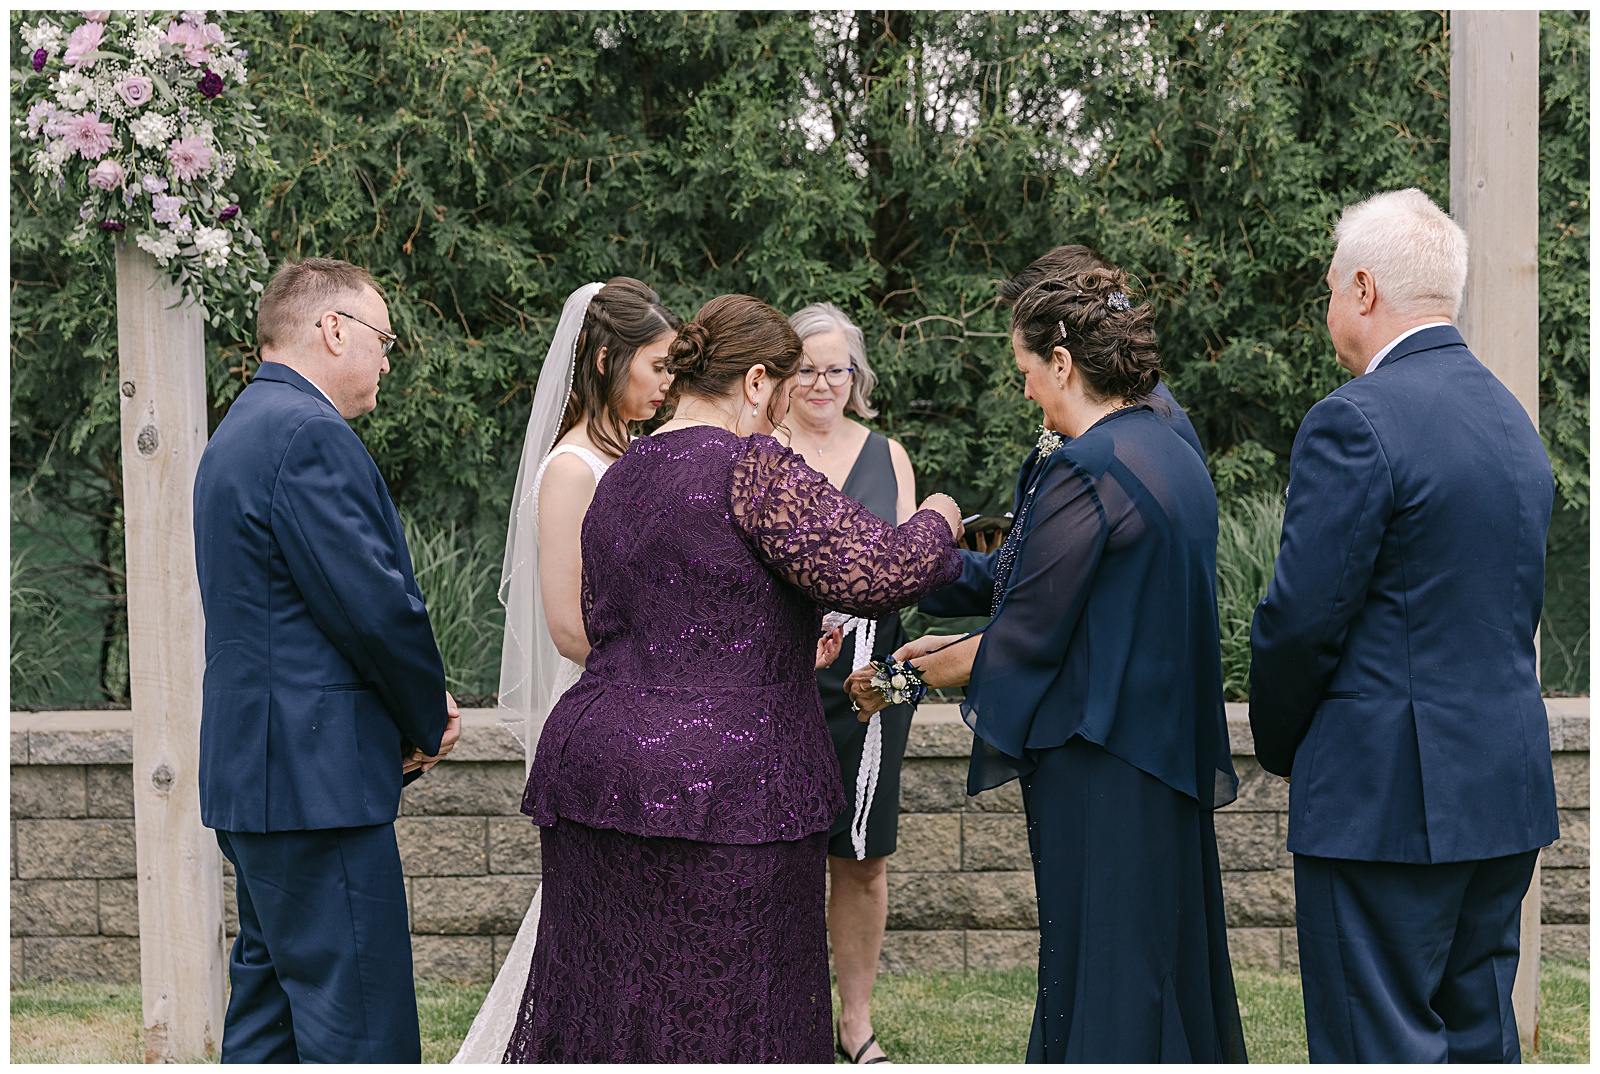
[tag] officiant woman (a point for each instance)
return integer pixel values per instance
(685, 786)
(1097, 683)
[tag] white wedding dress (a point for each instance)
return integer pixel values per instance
(491, 1029)
(533, 674)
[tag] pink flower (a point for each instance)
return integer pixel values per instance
(86, 135)
(136, 90)
(84, 40)
(195, 38)
(190, 157)
(107, 175)
(96, 16)
(167, 208)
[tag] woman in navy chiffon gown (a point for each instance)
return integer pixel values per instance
(1097, 681)
(685, 785)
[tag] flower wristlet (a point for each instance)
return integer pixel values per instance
(899, 682)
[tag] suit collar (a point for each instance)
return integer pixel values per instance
(283, 374)
(1429, 339)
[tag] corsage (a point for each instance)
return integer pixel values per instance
(899, 682)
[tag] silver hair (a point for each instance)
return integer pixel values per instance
(1416, 254)
(820, 318)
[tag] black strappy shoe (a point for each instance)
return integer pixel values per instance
(838, 1045)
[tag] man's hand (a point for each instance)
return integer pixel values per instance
(828, 647)
(452, 734)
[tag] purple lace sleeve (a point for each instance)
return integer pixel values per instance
(828, 545)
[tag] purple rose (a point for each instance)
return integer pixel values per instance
(39, 58)
(111, 225)
(135, 90)
(107, 175)
(227, 214)
(210, 84)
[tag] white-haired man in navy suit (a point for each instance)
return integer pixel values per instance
(1393, 671)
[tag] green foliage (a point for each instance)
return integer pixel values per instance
(37, 668)
(460, 578)
(1247, 545)
(897, 163)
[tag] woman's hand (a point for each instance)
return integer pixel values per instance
(866, 698)
(925, 645)
(947, 507)
(828, 647)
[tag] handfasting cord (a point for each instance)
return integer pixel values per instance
(866, 631)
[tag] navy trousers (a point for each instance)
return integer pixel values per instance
(321, 968)
(1410, 963)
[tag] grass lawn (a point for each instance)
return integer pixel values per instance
(920, 1018)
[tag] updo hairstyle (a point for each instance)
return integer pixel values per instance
(623, 316)
(1113, 348)
(730, 335)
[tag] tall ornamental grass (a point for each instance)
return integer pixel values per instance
(1247, 545)
(459, 575)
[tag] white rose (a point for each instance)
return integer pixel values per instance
(898, 682)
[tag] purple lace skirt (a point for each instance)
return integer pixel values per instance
(656, 950)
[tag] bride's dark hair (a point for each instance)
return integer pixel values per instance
(623, 316)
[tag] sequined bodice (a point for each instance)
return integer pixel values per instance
(705, 556)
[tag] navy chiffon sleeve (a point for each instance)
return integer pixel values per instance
(1107, 625)
(1025, 647)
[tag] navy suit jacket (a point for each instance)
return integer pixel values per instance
(1393, 674)
(973, 592)
(321, 668)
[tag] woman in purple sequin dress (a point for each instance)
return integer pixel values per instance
(685, 786)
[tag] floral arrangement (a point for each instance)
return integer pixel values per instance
(898, 681)
(139, 116)
(1049, 440)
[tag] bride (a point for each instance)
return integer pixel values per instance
(605, 369)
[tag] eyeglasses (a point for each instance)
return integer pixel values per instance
(389, 338)
(835, 377)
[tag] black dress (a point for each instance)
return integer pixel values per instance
(1098, 683)
(872, 484)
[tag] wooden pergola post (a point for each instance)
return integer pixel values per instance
(161, 353)
(1494, 196)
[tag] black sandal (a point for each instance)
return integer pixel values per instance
(838, 1044)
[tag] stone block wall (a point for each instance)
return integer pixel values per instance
(960, 884)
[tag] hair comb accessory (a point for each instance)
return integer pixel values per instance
(1118, 301)
(1062, 327)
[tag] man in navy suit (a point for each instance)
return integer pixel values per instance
(971, 593)
(1393, 674)
(324, 690)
